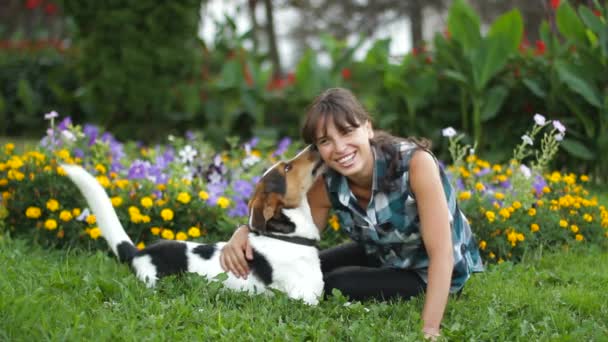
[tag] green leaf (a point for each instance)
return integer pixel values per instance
(587, 120)
(569, 24)
(593, 23)
(534, 87)
(488, 60)
(577, 149)
(493, 102)
(463, 24)
(510, 28)
(230, 75)
(568, 74)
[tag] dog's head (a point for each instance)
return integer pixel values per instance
(284, 185)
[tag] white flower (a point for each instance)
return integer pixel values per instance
(525, 170)
(68, 136)
(559, 126)
(448, 132)
(527, 140)
(187, 154)
(559, 136)
(539, 119)
(50, 115)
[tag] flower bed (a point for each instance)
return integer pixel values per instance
(185, 190)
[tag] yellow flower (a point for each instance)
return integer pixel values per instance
(63, 154)
(492, 255)
(181, 236)
(116, 201)
(482, 245)
(203, 195)
(223, 202)
(136, 218)
(9, 147)
(471, 158)
(579, 237)
(512, 238)
(66, 215)
(155, 230)
(546, 189)
(104, 181)
(50, 224)
(540, 203)
(194, 232)
(334, 223)
(502, 178)
(145, 218)
(534, 227)
(52, 204)
(517, 204)
(61, 171)
(146, 202)
(168, 234)
(133, 210)
(91, 219)
(3, 182)
(563, 223)
(141, 245)
(587, 218)
(490, 216)
(479, 186)
(532, 212)
(505, 213)
(497, 168)
(574, 228)
(166, 214)
(184, 197)
(94, 233)
(76, 212)
(584, 178)
(33, 212)
(100, 168)
(499, 196)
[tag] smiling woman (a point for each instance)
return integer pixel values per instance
(408, 235)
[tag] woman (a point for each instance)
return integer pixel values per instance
(396, 204)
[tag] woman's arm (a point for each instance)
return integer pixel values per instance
(319, 203)
(436, 236)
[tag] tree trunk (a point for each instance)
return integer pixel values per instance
(416, 23)
(272, 40)
(255, 27)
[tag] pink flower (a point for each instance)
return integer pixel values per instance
(559, 126)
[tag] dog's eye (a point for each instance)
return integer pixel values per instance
(287, 167)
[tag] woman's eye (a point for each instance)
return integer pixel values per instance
(322, 142)
(287, 167)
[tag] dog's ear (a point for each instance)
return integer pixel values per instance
(263, 207)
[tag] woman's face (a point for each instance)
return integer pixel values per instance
(349, 152)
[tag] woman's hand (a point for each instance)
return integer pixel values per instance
(236, 252)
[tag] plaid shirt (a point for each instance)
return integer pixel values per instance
(390, 227)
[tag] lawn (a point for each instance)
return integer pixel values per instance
(76, 295)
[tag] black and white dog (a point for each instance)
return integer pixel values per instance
(283, 235)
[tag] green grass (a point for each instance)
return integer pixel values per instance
(75, 295)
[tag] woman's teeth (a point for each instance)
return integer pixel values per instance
(346, 159)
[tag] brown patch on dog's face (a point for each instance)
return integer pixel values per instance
(283, 186)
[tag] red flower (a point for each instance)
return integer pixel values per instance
(291, 78)
(346, 73)
(31, 4)
(447, 34)
(540, 48)
(248, 78)
(50, 8)
(597, 13)
(554, 3)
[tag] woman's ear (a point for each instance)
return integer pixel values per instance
(370, 129)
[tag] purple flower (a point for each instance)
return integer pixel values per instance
(240, 209)
(283, 146)
(78, 153)
(190, 135)
(91, 131)
(65, 123)
(253, 142)
(216, 190)
(483, 172)
(539, 184)
(139, 169)
(243, 188)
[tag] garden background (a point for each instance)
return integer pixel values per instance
(178, 131)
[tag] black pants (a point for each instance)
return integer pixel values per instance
(348, 269)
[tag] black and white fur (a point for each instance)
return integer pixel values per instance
(288, 267)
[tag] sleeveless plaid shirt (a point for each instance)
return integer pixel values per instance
(389, 229)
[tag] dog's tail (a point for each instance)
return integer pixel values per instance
(99, 202)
